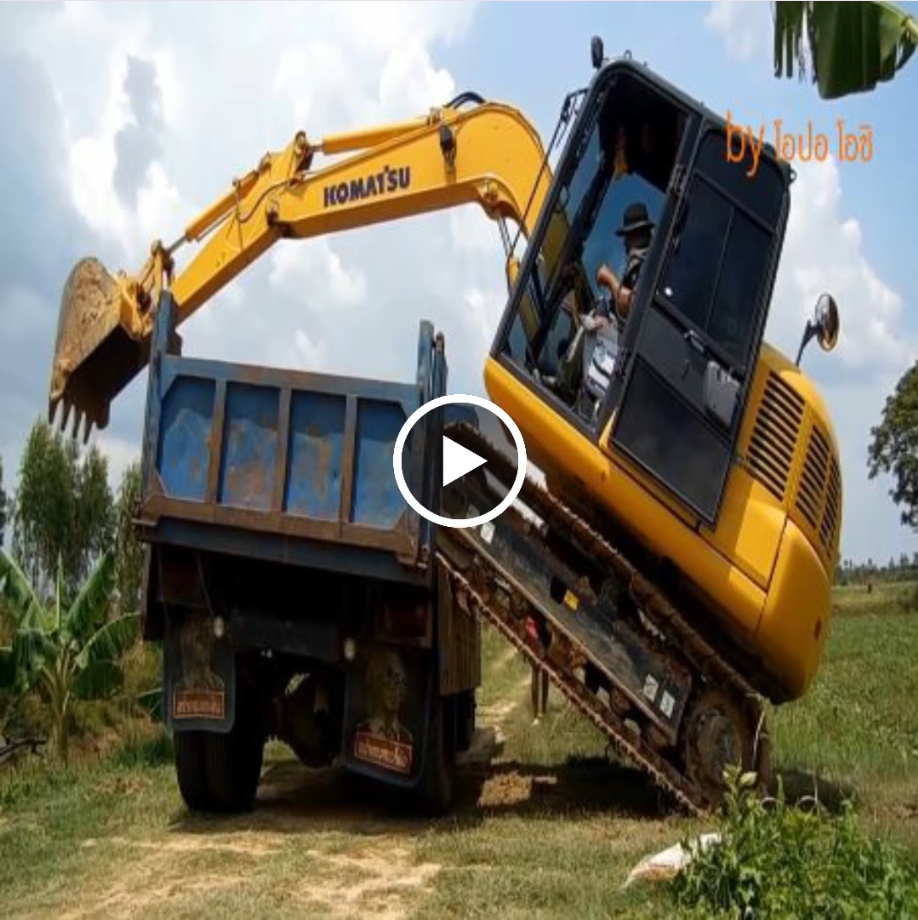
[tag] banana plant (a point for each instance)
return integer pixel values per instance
(852, 46)
(67, 654)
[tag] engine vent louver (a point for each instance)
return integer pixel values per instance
(816, 498)
(771, 447)
(819, 496)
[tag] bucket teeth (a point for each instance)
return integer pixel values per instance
(94, 352)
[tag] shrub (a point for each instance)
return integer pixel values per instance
(778, 861)
(146, 750)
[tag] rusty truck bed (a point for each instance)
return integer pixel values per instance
(287, 465)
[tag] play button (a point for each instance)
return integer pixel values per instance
(456, 459)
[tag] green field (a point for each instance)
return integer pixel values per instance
(550, 828)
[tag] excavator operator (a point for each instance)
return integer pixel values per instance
(599, 363)
(637, 229)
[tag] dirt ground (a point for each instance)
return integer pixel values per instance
(325, 845)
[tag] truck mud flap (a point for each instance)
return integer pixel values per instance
(387, 709)
(199, 676)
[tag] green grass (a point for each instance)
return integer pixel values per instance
(856, 732)
(550, 829)
(889, 597)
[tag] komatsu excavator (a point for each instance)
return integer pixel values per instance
(680, 563)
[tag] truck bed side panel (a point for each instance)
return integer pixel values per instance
(260, 459)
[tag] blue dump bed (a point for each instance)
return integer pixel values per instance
(285, 465)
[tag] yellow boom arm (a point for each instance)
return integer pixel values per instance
(489, 154)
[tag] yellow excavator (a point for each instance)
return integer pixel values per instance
(687, 531)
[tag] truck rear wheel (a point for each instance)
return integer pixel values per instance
(434, 795)
(220, 772)
(191, 770)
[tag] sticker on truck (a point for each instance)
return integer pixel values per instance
(383, 738)
(388, 689)
(199, 675)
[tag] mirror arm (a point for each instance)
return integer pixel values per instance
(808, 333)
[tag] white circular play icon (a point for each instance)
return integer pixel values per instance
(458, 461)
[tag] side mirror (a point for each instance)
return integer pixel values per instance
(824, 325)
(596, 52)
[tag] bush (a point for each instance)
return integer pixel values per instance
(146, 750)
(778, 861)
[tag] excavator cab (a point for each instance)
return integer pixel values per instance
(683, 358)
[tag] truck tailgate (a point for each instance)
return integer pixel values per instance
(285, 465)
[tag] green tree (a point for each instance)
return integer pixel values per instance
(849, 47)
(65, 652)
(4, 504)
(62, 510)
(129, 551)
(894, 446)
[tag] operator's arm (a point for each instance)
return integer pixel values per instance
(620, 295)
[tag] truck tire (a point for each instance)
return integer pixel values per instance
(466, 710)
(434, 794)
(191, 771)
(234, 760)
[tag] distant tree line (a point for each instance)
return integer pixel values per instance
(63, 509)
(905, 568)
(63, 516)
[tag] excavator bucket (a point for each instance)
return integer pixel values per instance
(95, 355)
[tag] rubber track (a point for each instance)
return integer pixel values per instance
(651, 601)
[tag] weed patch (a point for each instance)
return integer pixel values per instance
(777, 860)
(140, 751)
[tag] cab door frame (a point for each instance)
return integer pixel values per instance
(679, 368)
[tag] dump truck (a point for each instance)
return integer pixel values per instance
(672, 569)
(295, 595)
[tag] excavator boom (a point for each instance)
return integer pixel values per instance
(488, 154)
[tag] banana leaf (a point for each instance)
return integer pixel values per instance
(852, 47)
(21, 603)
(88, 611)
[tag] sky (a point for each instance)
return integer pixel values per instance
(122, 121)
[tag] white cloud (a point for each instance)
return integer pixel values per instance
(295, 265)
(239, 80)
(120, 454)
(484, 309)
(823, 253)
(744, 26)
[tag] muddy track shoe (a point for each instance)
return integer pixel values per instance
(718, 718)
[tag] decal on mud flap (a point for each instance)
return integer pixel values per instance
(666, 704)
(199, 675)
(384, 691)
(650, 687)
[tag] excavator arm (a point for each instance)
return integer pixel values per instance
(488, 154)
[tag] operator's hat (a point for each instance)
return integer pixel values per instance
(635, 218)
